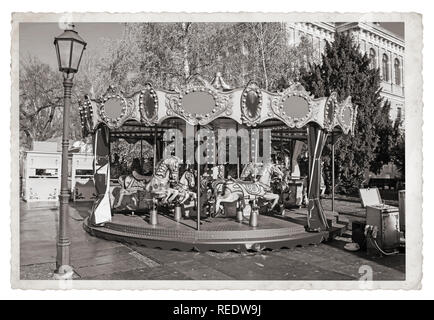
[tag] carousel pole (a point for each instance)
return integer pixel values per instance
(239, 202)
(153, 217)
(155, 149)
(333, 172)
(141, 153)
(251, 157)
(253, 220)
(177, 211)
(238, 161)
(198, 182)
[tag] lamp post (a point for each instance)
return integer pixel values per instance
(69, 49)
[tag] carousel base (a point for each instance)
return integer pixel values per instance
(216, 234)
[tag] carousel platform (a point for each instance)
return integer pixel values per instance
(216, 234)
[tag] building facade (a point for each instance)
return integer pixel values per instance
(385, 48)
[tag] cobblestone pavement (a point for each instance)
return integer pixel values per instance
(94, 258)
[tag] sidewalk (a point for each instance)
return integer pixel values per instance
(94, 258)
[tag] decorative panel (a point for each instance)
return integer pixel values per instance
(198, 103)
(148, 104)
(293, 106)
(251, 104)
(330, 111)
(114, 108)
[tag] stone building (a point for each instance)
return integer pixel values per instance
(386, 49)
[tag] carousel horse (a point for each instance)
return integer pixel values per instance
(159, 185)
(183, 188)
(250, 171)
(283, 187)
(235, 190)
(130, 184)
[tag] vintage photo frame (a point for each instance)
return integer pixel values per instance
(413, 141)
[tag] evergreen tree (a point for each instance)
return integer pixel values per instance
(387, 140)
(346, 70)
(398, 148)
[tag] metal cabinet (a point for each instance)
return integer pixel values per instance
(385, 219)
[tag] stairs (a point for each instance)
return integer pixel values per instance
(338, 224)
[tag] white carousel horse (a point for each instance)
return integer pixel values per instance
(250, 171)
(159, 185)
(182, 189)
(235, 190)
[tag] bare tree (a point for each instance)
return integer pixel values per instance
(40, 101)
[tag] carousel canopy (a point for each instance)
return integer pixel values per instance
(202, 103)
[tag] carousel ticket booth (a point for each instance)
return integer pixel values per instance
(215, 183)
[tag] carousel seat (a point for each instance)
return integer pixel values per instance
(139, 177)
(243, 181)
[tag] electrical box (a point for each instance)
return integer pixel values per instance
(384, 223)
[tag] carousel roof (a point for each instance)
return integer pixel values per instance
(203, 103)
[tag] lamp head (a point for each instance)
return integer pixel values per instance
(69, 49)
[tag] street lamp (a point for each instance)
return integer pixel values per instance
(69, 49)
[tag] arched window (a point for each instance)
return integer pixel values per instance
(397, 68)
(373, 57)
(385, 67)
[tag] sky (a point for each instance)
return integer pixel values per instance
(36, 39)
(395, 27)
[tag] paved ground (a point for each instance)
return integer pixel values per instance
(93, 258)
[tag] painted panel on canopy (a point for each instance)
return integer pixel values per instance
(329, 110)
(295, 107)
(114, 108)
(252, 104)
(346, 115)
(201, 103)
(148, 104)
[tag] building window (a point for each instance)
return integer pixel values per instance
(373, 57)
(397, 68)
(399, 114)
(385, 67)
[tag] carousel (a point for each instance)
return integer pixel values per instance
(230, 168)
